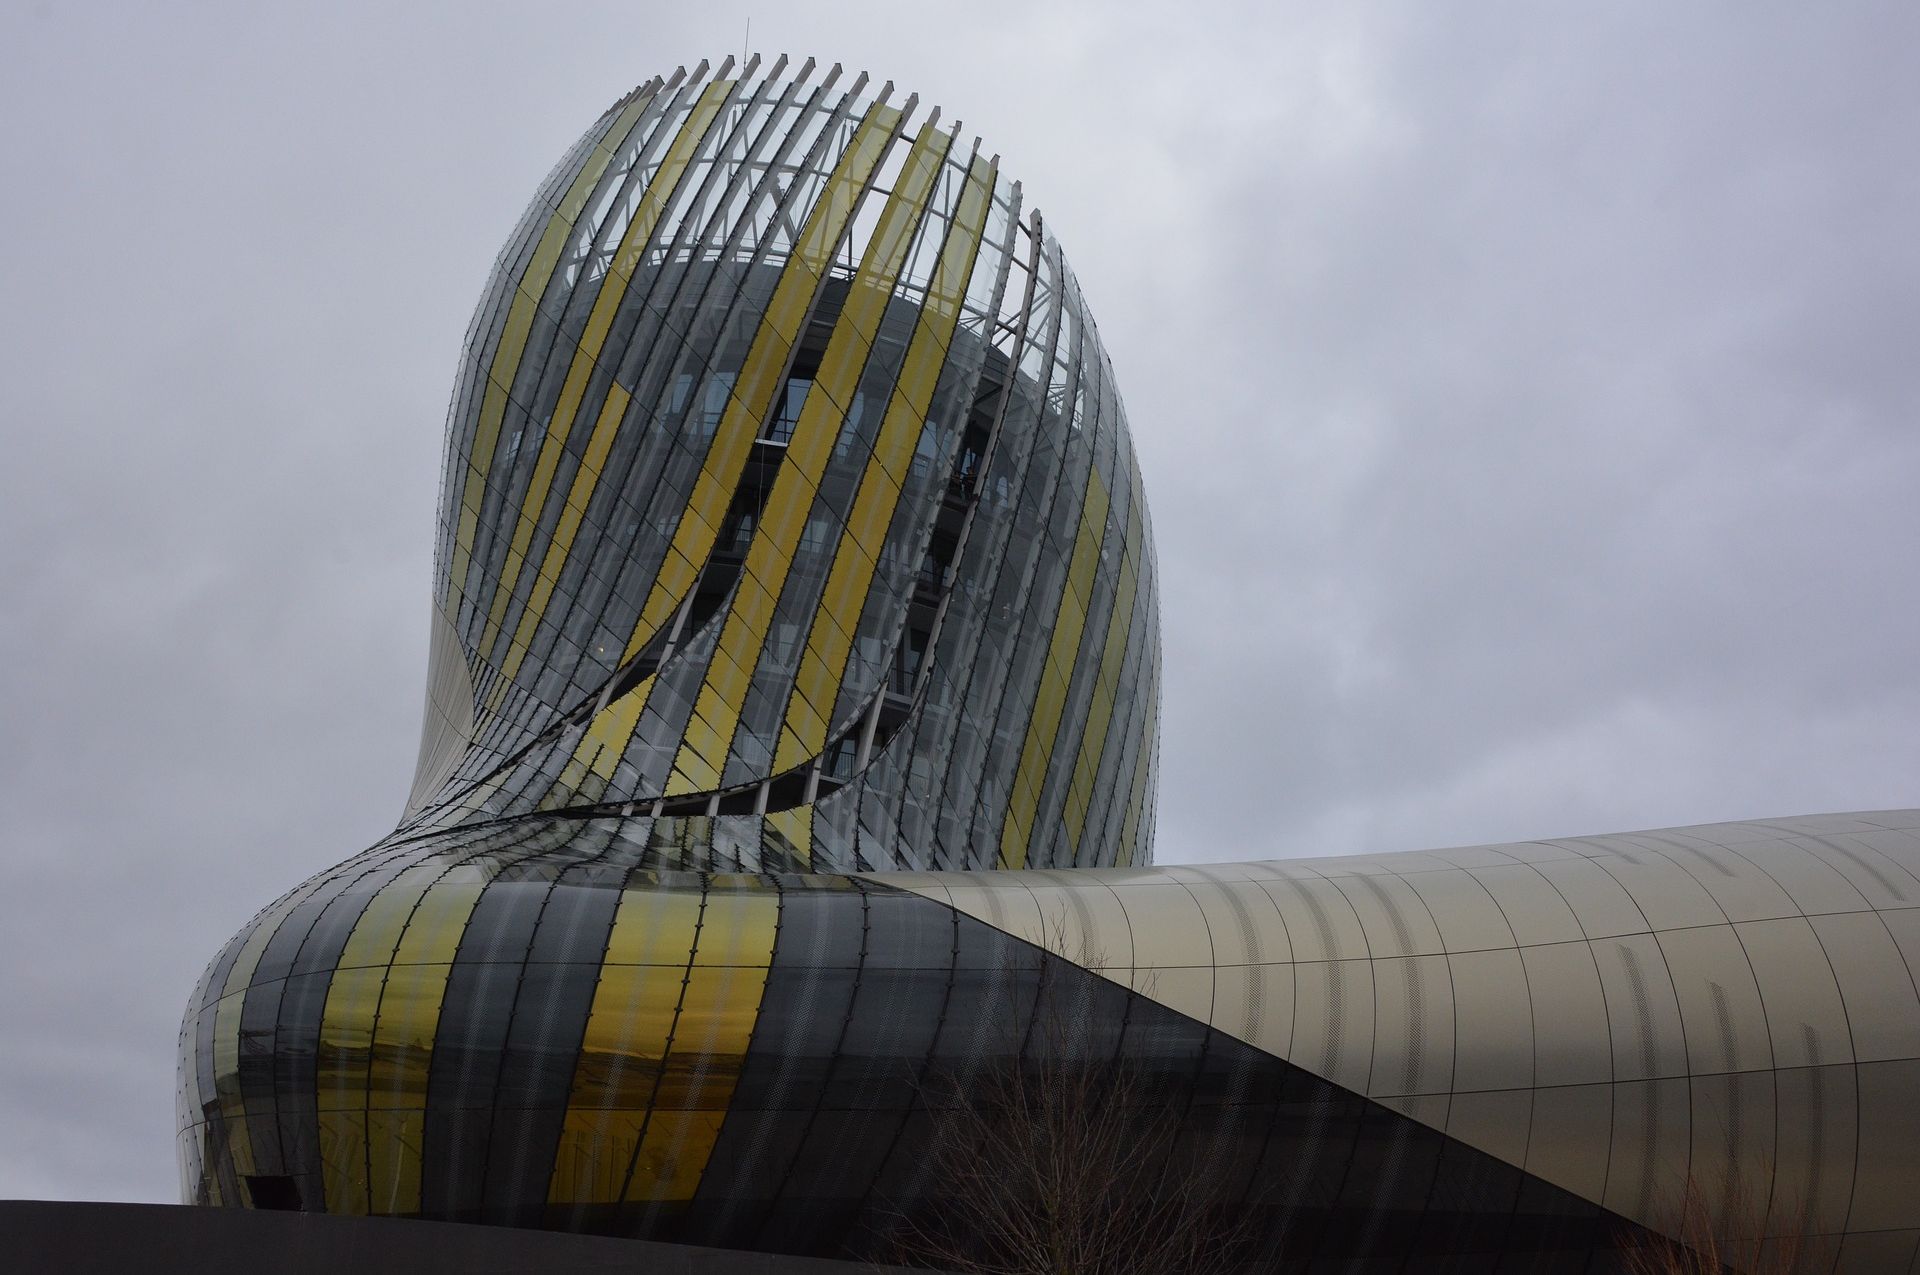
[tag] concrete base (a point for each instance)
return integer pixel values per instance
(58, 1238)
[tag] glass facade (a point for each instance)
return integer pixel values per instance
(787, 487)
(777, 872)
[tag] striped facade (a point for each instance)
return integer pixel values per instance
(782, 830)
(789, 499)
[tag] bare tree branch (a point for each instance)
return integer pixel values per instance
(1057, 1158)
(1713, 1232)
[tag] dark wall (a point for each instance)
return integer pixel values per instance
(53, 1238)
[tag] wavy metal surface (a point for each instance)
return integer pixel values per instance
(1731, 1005)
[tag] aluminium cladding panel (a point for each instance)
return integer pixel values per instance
(795, 1064)
(1731, 1005)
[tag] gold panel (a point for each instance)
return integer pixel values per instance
(770, 556)
(343, 1160)
(395, 1142)
(606, 303)
(873, 508)
(377, 930)
(796, 827)
(614, 1080)
(837, 600)
(851, 576)
(513, 338)
(1017, 830)
(699, 776)
(626, 1034)
(653, 927)
(605, 740)
(402, 1045)
(732, 444)
(673, 1153)
(226, 1077)
(433, 932)
(585, 480)
(736, 928)
(702, 1067)
(344, 1063)
(346, 1037)
(1093, 739)
(642, 985)
(664, 1045)
(733, 441)
(590, 1164)
(695, 769)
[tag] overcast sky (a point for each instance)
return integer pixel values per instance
(1528, 397)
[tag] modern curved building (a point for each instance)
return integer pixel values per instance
(788, 491)
(776, 871)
